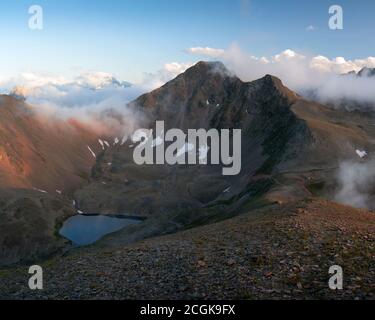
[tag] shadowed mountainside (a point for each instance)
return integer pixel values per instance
(205, 96)
(288, 144)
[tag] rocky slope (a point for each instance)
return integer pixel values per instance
(279, 252)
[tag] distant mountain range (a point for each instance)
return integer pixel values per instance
(97, 81)
(366, 72)
(350, 102)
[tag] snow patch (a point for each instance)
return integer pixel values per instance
(226, 190)
(40, 190)
(124, 139)
(101, 143)
(361, 154)
(92, 152)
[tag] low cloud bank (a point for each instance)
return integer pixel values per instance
(98, 99)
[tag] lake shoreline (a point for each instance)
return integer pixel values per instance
(117, 216)
(87, 229)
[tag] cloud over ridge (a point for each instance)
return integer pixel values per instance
(304, 73)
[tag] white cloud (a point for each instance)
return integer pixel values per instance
(96, 98)
(176, 68)
(169, 71)
(356, 184)
(234, 54)
(311, 28)
(304, 72)
(286, 55)
(86, 89)
(207, 51)
(99, 80)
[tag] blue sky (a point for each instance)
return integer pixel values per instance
(130, 37)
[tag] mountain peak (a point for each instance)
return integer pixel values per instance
(273, 85)
(203, 68)
(211, 64)
(271, 80)
(367, 72)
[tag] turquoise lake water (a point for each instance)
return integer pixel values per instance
(85, 230)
